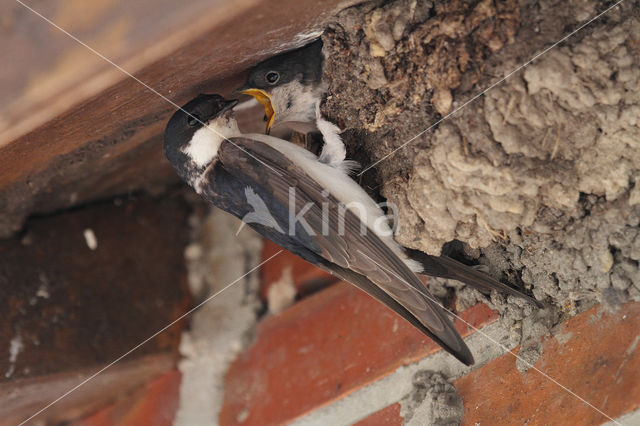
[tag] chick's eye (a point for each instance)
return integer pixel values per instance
(192, 120)
(272, 77)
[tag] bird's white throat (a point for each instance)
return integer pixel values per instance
(296, 102)
(203, 147)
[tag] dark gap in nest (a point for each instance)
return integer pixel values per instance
(455, 250)
(584, 202)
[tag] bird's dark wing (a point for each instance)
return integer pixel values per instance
(346, 249)
(446, 267)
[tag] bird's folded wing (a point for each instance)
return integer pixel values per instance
(339, 236)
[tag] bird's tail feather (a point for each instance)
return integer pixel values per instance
(446, 267)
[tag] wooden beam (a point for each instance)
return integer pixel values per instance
(73, 122)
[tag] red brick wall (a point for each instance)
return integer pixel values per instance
(337, 341)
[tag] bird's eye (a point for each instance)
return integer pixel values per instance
(192, 120)
(272, 77)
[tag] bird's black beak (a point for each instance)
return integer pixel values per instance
(239, 90)
(228, 105)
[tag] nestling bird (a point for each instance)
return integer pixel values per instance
(312, 209)
(290, 88)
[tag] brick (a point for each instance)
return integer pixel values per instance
(71, 306)
(389, 416)
(155, 404)
(321, 349)
(307, 278)
(599, 360)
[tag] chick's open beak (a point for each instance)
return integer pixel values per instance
(262, 97)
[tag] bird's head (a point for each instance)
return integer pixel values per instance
(194, 134)
(281, 82)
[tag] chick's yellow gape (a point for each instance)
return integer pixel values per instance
(262, 97)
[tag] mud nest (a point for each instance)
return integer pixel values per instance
(538, 178)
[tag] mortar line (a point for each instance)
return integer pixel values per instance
(524, 65)
(491, 339)
(151, 89)
(189, 312)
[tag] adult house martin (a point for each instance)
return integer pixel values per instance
(312, 209)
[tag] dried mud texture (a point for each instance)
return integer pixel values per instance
(434, 401)
(539, 178)
(392, 67)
